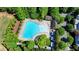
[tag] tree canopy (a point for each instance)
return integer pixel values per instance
(70, 39)
(69, 18)
(54, 12)
(69, 27)
(30, 44)
(20, 13)
(62, 45)
(57, 37)
(43, 41)
(43, 12)
(63, 9)
(33, 12)
(61, 31)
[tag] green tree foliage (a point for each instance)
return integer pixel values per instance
(69, 18)
(61, 19)
(10, 10)
(2, 9)
(33, 12)
(76, 12)
(30, 45)
(48, 41)
(76, 47)
(57, 37)
(70, 39)
(20, 13)
(62, 45)
(57, 18)
(43, 12)
(26, 12)
(54, 12)
(61, 31)
(71, 9)
(10, 39)
(69, 27)
(43, 41)
(63, 9)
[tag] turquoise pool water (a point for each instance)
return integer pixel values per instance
(32, 28)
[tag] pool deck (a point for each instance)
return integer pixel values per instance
(46, 23)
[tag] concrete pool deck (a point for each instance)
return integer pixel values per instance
(45, 23)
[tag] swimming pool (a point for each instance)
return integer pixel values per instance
(31, 29)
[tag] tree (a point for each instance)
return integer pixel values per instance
(43, 12)
(57, 18)
(61, 19)
(48, 41)
(69, 27)
(71, 9)
(62, 45)
(57, 37)
(10, 38)
(2, 9)
(20, 13)
(33, 12)
(31, 45)
(70, 39)
(61, 31)
(10, 10)
(26, 12)
(76, 47)
(63, 9)
(43, 41)
(54, 12)
(69, 18)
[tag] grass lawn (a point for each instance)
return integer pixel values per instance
(4, 22)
